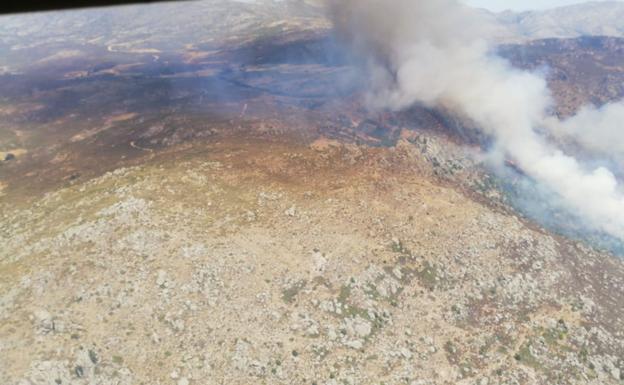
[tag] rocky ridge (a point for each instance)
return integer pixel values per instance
(274, 263)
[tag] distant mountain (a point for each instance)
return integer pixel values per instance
(605, 18)
(162, 26)
(214, 23)
(94, 33)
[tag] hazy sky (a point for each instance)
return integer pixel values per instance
(519, 5)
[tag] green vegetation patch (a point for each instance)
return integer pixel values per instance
(525, 357)
(429, 276)
(290, 293)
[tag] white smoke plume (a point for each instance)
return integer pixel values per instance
(433, 52)
(600, 130)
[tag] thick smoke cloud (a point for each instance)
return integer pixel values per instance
(600, 130)
(432, 52)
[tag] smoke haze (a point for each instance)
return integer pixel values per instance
(597, 129)
(433, 52)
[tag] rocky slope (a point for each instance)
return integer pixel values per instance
(267, 262)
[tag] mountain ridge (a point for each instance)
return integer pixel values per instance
(590, 18)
